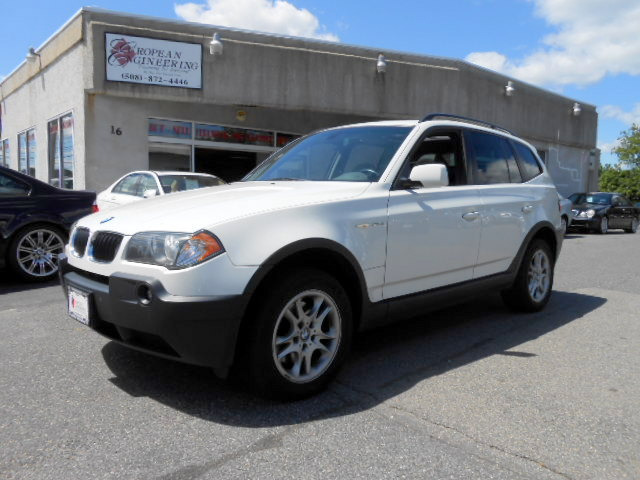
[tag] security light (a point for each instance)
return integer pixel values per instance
(509, 89)
(381, 66)
(215, 46)
(577, 109)
(32, 55)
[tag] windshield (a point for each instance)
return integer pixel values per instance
(598, 198)
(352, 154)
(178, 183)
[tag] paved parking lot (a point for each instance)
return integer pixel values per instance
(472, 392)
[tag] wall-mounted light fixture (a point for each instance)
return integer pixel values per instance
(509, 89)
(577, 109)
(32, 55)
(215, 46)
(381, 66)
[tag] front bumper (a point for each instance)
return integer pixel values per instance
(588, 223)
(196, 330)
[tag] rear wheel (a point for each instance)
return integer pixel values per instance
(563, 224)
(633, 228)
(299, 336)
(34, 251)
(532, 288)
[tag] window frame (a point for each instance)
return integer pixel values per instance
(399, 183)
(60, 151)
(5, 150)
(28, 151)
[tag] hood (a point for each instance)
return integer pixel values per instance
(205, 208)
(589, 206)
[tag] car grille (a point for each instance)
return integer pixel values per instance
(104, 246)
(79, 241)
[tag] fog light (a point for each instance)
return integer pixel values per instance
(144, 294)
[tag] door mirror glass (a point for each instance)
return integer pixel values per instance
(430, 175)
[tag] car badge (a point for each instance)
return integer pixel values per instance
(106, 220)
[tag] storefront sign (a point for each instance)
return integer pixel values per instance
(153, 62)
(217, 133)
(169, 129)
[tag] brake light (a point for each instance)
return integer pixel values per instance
(94, 207)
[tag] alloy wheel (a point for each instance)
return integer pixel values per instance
(37, 252)
(306, 336)
(539, 276)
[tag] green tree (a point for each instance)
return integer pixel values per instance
(628, 151)
(626, 182)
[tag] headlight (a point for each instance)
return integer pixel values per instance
(173, 250)
(590, 213)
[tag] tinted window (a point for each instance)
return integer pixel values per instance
(530, 166)
(625, 202)
(127, 186)
(491, 154)
(353, 154)
(598, 198)
(12, 187)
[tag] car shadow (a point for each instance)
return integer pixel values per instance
(10, 283)
(383, 363)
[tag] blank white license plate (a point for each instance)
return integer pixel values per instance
(78, 305)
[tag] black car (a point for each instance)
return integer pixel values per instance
(34, 223)
(604, 211)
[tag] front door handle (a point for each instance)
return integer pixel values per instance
(527, 209)
(471, 216)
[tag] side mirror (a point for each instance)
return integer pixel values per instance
(430, 175)
(149, 193)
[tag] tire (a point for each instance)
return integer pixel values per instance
(532, 287)
(33, 252)
(634, 226)
(604, 226)
(282, 358)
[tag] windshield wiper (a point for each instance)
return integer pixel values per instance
(285, 179)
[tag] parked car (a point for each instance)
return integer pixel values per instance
(604, 211)
(139, 185)
(565, 212)
(340, 231)
(34, 223)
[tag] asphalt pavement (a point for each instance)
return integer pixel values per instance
(471, 392)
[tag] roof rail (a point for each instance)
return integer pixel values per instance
(431, 116)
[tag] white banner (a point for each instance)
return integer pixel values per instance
(152, 61)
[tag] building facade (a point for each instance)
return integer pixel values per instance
(109, 93)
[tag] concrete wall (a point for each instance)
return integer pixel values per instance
(48, 93)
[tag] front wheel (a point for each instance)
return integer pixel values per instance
(299, 336)
(532, 288)
(604, 226)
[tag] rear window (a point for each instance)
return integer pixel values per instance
(530, 166)
(179, 183)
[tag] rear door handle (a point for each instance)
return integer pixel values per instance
(527, 209)
(471, 216)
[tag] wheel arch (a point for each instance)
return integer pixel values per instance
(544, 231)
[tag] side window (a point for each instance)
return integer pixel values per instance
(491, 154)
(11, 187)
(439, 147)
(624, 202)
(127, 186)
(530, 166)
(147, 182)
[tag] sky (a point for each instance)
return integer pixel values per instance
(588, 50)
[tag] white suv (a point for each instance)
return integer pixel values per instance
(340, 231)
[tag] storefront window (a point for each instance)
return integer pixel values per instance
(61, 147)
(27, 152)
(285, 138)
(169, 129)
(4, 152)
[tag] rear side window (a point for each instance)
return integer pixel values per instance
(11, 187)
(530, 166)
(493, 158)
